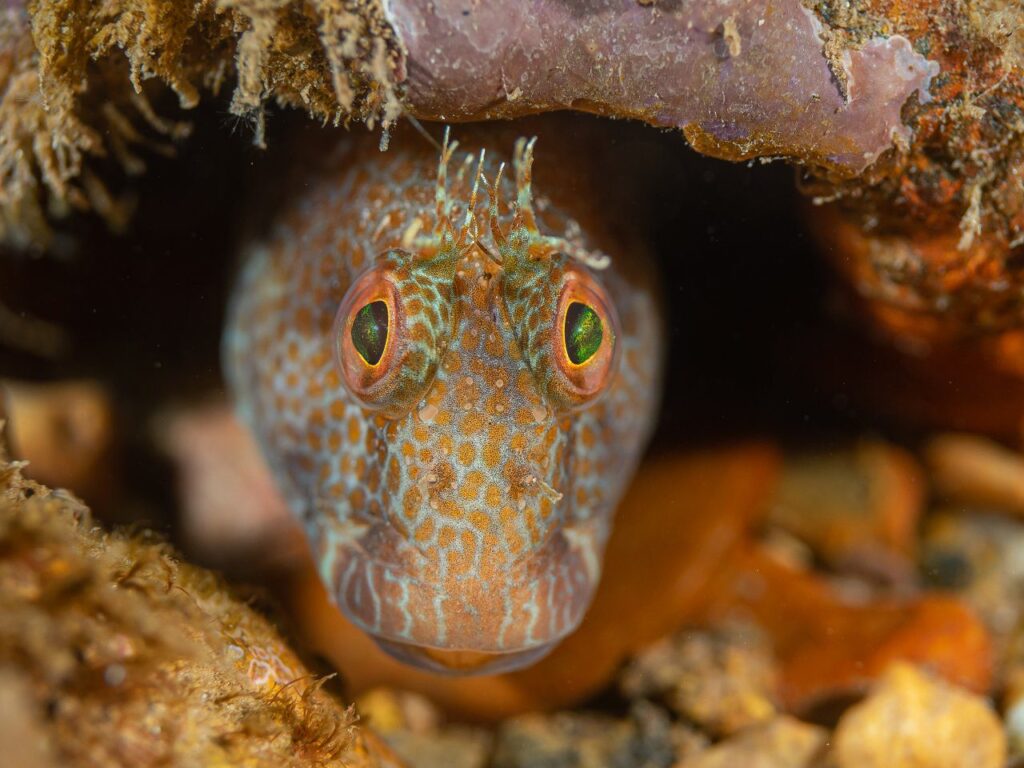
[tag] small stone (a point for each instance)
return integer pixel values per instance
(67, 433)
(780, 743)
(413, 727)
(389, 710)
(451, 747)
(980, 556)
(723, 681)
(978, 471)
(646, 739)
(1013, 713)
(114, 675)
(857, 509)
(912, 720)
(219, 470)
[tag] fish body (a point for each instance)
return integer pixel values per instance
(452, 373)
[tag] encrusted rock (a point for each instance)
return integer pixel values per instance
(780, 743)
(723, 681)
(912, 720)
(980, 556)
(121, 655)
(413, 727)
(647, 739)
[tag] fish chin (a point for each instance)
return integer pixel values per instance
(455, 662)
(505, 621)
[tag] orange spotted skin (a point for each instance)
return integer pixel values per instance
(458, 493)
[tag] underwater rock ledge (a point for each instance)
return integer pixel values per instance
(829, 85)
(741, 79)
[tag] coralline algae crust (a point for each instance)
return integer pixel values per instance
(742, 78)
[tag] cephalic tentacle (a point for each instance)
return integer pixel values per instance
(445, 243)
(493, 219)
(522, 163)
(523, 237)
(448, 148)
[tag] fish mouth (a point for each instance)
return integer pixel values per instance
(465, 663)
(488, 623)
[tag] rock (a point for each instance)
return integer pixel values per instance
(451, 747)
(780, 743)
(646, 739)
(936, 296)
(1013, 691)
(832, 642)
(723, 681)
(219, 470)
(857, 509)
(412, 726)
(390, 710)
(66, 432)
(981, 557)
(126, 656)
(1013, 713)
(912, 720)
(977, 471)
(742, 80)
(22, 730)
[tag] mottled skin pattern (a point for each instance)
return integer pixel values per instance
(458, 496)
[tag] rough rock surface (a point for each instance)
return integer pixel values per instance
(742, 79)
(115, 653)
(914, 721)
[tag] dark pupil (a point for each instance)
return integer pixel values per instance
(583, 332)
(370, 331)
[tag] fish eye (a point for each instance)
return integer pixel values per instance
(584, 341)
(583, 332)
(387, 359)
(367, 337)
(370, 331)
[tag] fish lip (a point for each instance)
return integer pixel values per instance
(457, 663)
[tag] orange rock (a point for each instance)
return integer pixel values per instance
(857, 509)
(681, 522)
(925, 285)
(978, 471)
(66, 433)
(944, 345)
(828, 644)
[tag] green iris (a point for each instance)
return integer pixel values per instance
(370, 331)
(583, 332)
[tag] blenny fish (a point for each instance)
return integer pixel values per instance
(452, 376)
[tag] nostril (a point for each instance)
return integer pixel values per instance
(543, 488)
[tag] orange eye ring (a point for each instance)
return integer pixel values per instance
(584, 338)
(366, 336)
